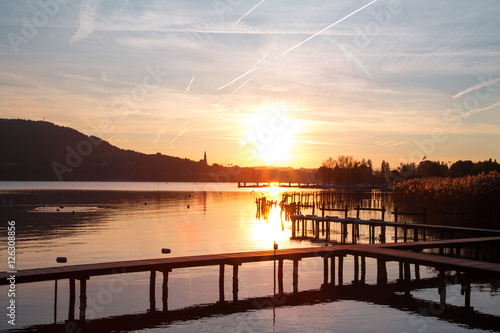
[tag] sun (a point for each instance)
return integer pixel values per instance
(271, 133)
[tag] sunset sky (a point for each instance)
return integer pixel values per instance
(284, 83)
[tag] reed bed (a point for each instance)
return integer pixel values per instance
(470, 201)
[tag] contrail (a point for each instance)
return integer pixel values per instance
(189, 85)
(118, 13)
(355, 59)
(251, 10)
(178, 136)
(470, 113)
(328, 27)
(235, 90)
(476, 86)
(254, 67)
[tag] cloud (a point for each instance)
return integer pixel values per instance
(104, 77)
(88, 11)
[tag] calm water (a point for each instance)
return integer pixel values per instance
(125, 221)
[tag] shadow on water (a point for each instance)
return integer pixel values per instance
(392, 297)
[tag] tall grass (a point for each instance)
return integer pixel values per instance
(472, 201)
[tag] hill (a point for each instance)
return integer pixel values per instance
(43, 151)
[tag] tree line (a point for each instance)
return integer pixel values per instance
(346, 170)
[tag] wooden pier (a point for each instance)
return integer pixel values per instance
(406, 254)
(281, 184)
(306, 224)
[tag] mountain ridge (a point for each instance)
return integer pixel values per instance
(42, 151)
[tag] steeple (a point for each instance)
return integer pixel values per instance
(205, 157)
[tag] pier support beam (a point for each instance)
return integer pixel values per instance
(235, 282)
(356, 269)
(381, 274)
(295, 276)
(165, 290)
(325, 270)
(332, 270)
(280, 277)
(341, 270)
(465, 290)
(363, 269)
(401, 272)
(83, 298)
(407, 276)
(72, 298)
(442, 288)
(152, 291)
(221, 283)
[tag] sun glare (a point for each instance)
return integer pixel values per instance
(271, 133)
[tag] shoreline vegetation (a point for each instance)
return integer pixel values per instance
(466, 201)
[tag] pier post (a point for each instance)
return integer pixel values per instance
(83, 298)
(221, 283)
(316, 231)
(165, 290)
(280, 277)
(383, 212)
(382, 234)
(293, 227)
(415, 234)
(327, 231)
(353, 232)
(417, 272)
(71, 315)
(401, 272)
(341, 269)
(381, 273)
(332, 270)
(152, 291)
(235, 282)
(325, 270)
(363, 269)
(356, 269)
(466, 289)
(295, 276)
(395, 234)
(405, 237)
(442, 289)
(407, 278)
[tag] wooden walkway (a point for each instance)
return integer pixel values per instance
(404, 253)
(300, 223)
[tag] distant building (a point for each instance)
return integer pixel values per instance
(204, 160)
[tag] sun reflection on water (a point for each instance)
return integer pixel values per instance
(271, 228)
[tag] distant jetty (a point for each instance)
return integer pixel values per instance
(304, 185)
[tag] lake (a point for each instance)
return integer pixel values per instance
(92, 222)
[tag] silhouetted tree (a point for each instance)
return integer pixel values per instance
(432, 169)
(461, 169)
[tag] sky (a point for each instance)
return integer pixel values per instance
(281, 83)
